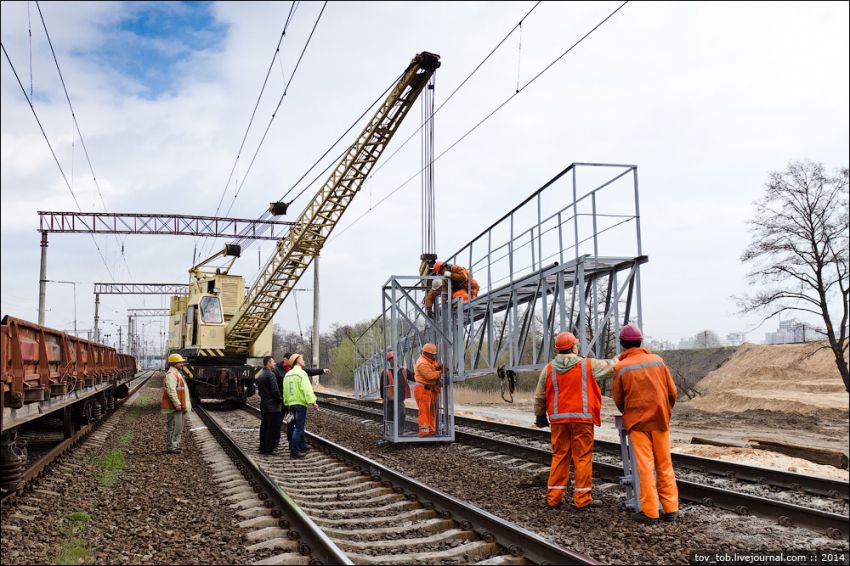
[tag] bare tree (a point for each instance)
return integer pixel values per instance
(707, 339)
(799, 250)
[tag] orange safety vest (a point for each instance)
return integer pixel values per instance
(391, 383)
(573, 396)
(181, 393)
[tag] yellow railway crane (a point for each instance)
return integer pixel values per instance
(222, 330)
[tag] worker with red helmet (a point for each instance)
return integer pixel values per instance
(568, 397)
(388, 390)
(427, 373)
(645, 393)
(464, 287)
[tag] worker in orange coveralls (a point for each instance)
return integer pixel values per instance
(568, 393)
(645, 393)
(426, 390)
(464, 287)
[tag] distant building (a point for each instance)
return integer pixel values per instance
(735, 338)
(793, 331)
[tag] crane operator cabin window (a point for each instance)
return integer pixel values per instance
(211, 310)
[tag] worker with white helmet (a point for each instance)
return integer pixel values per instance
(175, 402)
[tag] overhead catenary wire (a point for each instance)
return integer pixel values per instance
(279, 102)
(77, 126)
(262, 229)
(275, 55)
(483, 120)
(53, 153)
(266, 215)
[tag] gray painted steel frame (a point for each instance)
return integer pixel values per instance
(572, 282)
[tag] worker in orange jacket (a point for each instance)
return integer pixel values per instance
(568, 393)
(464, 287)
(426, 390)
(645, 393)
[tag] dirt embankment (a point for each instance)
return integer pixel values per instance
(789, 378)
(690, 366)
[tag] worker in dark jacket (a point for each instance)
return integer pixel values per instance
(388, 392)
(271, 406)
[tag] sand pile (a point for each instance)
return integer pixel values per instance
(763, 459)
(793, 378)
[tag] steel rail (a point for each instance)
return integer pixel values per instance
(519, 541)
(313, 542)
(832, 524)
(33, 471)
(814, 485)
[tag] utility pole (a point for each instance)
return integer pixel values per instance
(42, 282)
(96, 316)
(120, 344)
(316, 316)
(130, 334)
(74, 284)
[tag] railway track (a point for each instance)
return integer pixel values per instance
(49, 448)
(468, 431)
(344, 508)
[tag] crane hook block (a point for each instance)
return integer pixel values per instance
(278, 208)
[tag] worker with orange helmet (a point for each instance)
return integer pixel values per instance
(427, 373)
(645, 393)
(388, 390)
(464, 287)
(568, 397)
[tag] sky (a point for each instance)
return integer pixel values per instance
(705, 98)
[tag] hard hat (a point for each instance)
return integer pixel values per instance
(429, 348)
(390, 356)
(438, 266)
(565, 341)
(436, 284)
(176, 359)
(293, 358)
(631, 333)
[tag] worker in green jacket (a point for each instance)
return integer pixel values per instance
(297, 394)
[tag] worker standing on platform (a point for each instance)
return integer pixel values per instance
(271, 407)
(464, 287)
(388, 391)
(427, 373)
(645, 393)
(297, 394)
(175, 402)
(568, 393)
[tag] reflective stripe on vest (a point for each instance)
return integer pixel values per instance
(625, 369)
(584, 407)
(181, 393)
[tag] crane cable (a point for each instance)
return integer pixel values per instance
(480, 122)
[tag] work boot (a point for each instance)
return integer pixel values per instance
(639, 517)
(594, 504)
(670, 517)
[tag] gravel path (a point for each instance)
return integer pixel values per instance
(607, 534)
(155, 508)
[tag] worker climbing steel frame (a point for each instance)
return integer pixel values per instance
(543, 268)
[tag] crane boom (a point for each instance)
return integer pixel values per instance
(305, 238)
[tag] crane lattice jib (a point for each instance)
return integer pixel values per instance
(296, 250)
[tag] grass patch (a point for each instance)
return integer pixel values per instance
(75, 549)
(111, 464)
(78, 517)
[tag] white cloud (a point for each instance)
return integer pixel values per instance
(704, 98)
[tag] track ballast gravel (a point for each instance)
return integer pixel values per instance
(607, 534)
(161, 508)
